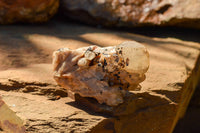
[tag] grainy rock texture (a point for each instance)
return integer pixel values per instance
(134, 12)
(105, 74)
(27, 86)
(12, 11)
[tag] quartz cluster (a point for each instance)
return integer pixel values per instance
(105, 74)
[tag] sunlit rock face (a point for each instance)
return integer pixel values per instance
(105, 74)
(27, 11)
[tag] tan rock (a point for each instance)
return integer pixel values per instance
(27, 11)
(185, 13)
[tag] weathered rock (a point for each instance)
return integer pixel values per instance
(9, 122)
(105, 74)
(134, 12)
(12, 11)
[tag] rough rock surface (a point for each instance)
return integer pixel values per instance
(134, 12)
(28, 88)
(12, 11)
(105, 74)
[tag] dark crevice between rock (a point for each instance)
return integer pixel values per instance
(15, 85)
(35, 126)
(91, 106)
(35, 88)
(182, 23)
(140, 100)
(163, 9)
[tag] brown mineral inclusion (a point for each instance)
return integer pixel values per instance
(105, 74)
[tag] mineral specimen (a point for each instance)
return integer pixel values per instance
(105, 74)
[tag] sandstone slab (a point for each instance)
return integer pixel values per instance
(26, 81)
(129, 13)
